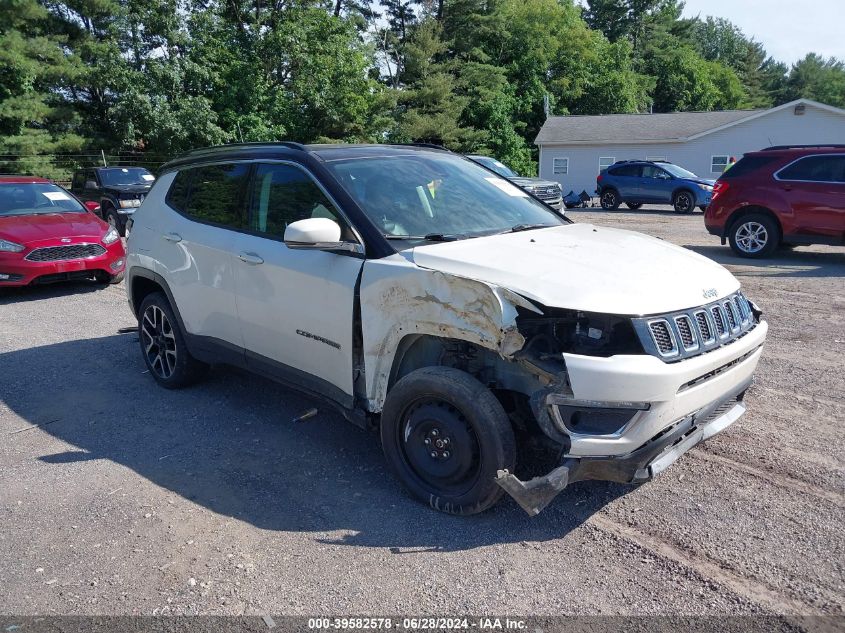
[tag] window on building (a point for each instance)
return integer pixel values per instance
(605, 162)
(718, 164)
(560, 166)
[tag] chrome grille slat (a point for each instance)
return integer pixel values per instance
(705, 330)
(64, 253)
(698, 330)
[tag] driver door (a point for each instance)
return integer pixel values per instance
(655, 185)
(295, 307)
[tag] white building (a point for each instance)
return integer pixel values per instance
(573, 149)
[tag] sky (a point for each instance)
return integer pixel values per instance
(788, 29)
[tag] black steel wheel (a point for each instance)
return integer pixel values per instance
(446, 436)
(163, 345)
(684, 201)
(609, 200)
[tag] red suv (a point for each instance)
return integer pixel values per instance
(47, 235)
(780, 196)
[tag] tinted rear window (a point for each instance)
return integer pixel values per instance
(824, 168)
(747, 165)
(625, 170)
(213, 194)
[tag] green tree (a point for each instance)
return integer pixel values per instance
(36, 121)
(817, 78)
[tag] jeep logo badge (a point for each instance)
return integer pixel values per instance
(710, 293)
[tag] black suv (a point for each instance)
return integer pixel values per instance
(118, 190)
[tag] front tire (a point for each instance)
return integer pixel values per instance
(111, 216)
(754, 235)
(445, 436)
(683, 202)
(163, 345)
(609, 200)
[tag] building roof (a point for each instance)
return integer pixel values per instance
(650, 128)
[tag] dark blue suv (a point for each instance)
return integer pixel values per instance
(636, 182)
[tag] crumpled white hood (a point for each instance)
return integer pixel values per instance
(587, 268)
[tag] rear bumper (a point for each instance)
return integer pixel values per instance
(641, 465)
(23, 272)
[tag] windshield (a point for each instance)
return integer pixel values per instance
(497, 166)
(126, 176)
(677, 172)
(432, 195)
(34, 198)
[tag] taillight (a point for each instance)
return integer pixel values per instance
(718, 189)
(600, 177)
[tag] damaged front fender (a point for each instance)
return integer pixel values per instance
(399, 299)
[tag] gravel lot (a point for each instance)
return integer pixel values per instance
(129, 499)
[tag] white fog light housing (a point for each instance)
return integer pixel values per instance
(10, 247)
(117, 264)
(111, 236)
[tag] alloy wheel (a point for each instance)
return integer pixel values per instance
(683, 203)
(751, 237)
(159, 342)
(608, 200)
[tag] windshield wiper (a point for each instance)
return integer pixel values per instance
(428, 237)
(528, 227)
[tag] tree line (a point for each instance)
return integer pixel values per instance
(153, 78)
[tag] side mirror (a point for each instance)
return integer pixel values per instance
(92, 206)
(317, 234)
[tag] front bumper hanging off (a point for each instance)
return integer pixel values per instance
(639, 466)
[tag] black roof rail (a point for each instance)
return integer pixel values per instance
(810, 146)
(429, 145)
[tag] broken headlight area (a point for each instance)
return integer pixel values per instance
(560, 331)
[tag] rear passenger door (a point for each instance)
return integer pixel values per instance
(814, 186)
(195, 244)
(627, 180)
(296, 307)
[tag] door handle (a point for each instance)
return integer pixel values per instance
(172, 237)
(250, 258)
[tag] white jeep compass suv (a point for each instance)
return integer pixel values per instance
(424, 295)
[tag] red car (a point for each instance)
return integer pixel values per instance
(780, 196)
(47, 235)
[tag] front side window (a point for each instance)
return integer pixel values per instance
(718, 164)
(651, 171)
(217, 194)
(560, 166)
(827, 168)
(282, 194)
(432, 195)
(36, 198)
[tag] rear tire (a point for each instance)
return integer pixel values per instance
(754, 235)
(684, 201)
(445, 436)
(163, 345)
(609, 200)
(634, 205)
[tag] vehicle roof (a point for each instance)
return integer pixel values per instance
(799, 150)
(287, 149)
(20, 180)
